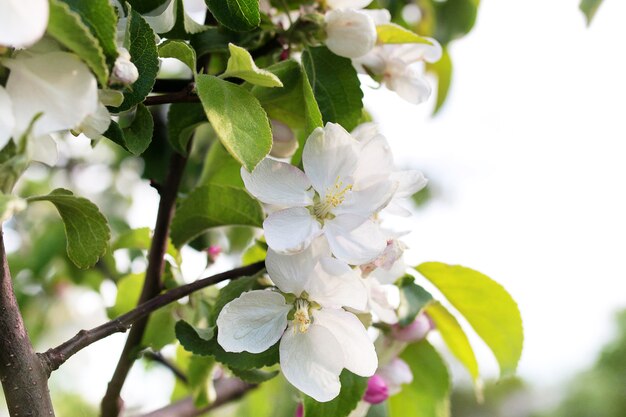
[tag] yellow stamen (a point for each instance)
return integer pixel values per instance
(301, 318)
(334, 197)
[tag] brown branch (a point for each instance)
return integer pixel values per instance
(24, 379)
(159, 358)
(226, 390)
(186, 95)
(152, 285)
(55, 357)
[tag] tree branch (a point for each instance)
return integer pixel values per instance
(159, 358)
(226, 390)
(24, 379)
(55, 357)
(186, 95)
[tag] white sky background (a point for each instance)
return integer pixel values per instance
(527, 163)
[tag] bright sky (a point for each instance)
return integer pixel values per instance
(527, 163)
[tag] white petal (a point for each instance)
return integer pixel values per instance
(372, 62)
(163, 18)
(359, 353)
(291, 230)
(380, 301)
(409, 84)
(22, 22)
(312, 361)
(95, 124)
(380, 16)
(253, 322)
(396, 373)
(330, 154)
(350, 33)
(290, 272)
(390, 275)
(353, 239)
(278, 183)
(334, 284)
(367, 201)
(409, 182)
(416, 52)
(348, 4)
(43, 149)
(7, 120)
(364, 132)
(47, 83)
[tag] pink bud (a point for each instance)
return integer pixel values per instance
(214, 251)
(377, 390)
(300, 410)
(415, 331)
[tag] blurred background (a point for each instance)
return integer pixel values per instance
(526, 168)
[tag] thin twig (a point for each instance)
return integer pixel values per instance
(159, 358)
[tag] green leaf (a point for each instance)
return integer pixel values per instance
(336, 86)
(241, 65)
(183, 119)
(221, 168)
(454, 336)
(184, 25)
(238, 119)
(137, 137)
(212, 40)
(443, 69)
(142, 239)
(145, 6)
(238, 15)
(160, 329)
(101, 18)
(589, 8)
(352, 390)
(212, 206)
(143, 53)
(254, 376)
(128, 293)
(486, 305)
(68, 29)
(9, 205)
(86, 228)
(179, 50)
(392, 33)
(454, 19)
(413, 299)
(199, 376)
(429, 393)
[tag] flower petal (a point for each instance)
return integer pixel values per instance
(47, 83)
(329, 155)
(253, 322)
(350, 33)
(43, 149)
(290, 272)
(312, 361)
(23, 22)
(379, 300)
(7, 120)
(334, 284)
(353, 239)
(291, 230)
(278, 183)
(348, 4)
(367, 201)
(359, 353)
(409, 182)
(409, 84)
(396, 373)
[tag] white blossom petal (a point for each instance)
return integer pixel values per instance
(415, 52)
(380, 300)
(47, 83)
(312, 361)
(290, 230)
(350, 33)
(367, 201)
(359, 353)
(409, 182)
(7, 120)
(43, 149)
(22, 22)
(95, 124)
(163, 18)
(375, 158)
(253, 322)
(290, 272)
(409, 83)
(380, 16)
(348, 4)
(334, 284)
(395, 373)
(353, 239)
(278, 183)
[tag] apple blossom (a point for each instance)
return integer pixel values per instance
(318, 338)
(395, 374)
(336, 196)
(413, 332)
(350, 33)
(23, 22)
(124, 71)
(377, 390)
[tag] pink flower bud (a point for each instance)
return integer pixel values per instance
(377, 390)
(214, 251)
(300, 410)
(415, 331)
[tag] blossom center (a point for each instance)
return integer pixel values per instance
(301, 318)
(334, 197)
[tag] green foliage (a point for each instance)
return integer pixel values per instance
(455, 18)
(589, 8)
(443, 70)
(336, 86)
(199, 377)
(160, 329)
(128, 292)
(86, 228)
(183, 119)
(184, 26)
(352, 390)
(143, 53)
(238, 119)
(221, 168)
(254, 376)
(238, 15)
(67, 27)
(179, 50)
(282, 404)
(428, 394)
(413, 299)
(144, 6)
(212, 206)
(392, 33)
(241, 65)
(486, 305)
(137, 136)
(452, 333)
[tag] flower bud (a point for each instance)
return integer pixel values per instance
(284, 142)
(350, 33)
(415, 331)
(214, 251)
(376, 391)
(300, 410)
(124, 71)
(395, 373)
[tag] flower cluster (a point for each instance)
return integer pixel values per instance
(328, 257)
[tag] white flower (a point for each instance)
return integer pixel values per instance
(317, 337)
(347, 4)
(399, 66)
(95, 124)
(22, 22)
(58, 85)
(336, 196)
(350, 33)
(124, 71)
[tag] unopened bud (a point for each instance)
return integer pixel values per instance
(350, 33)
(376, 391)
(395, 374)
(284, 142)
(300, 410)
(124, 71)
(415, 331)
(214, 251)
